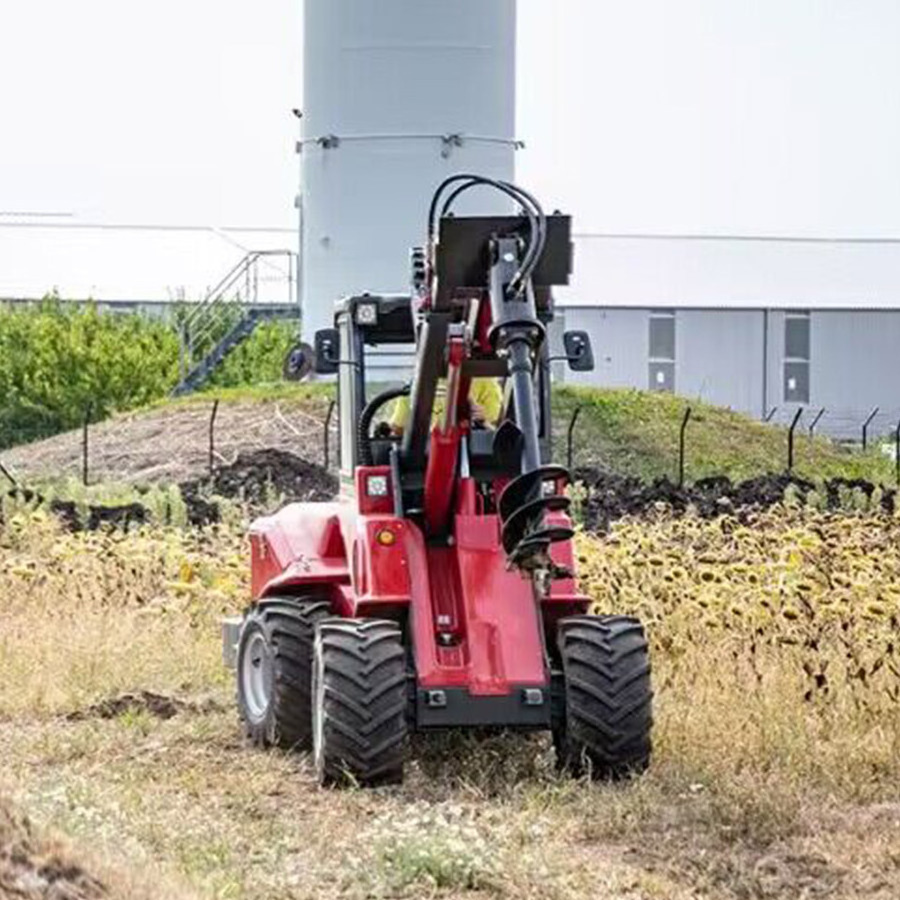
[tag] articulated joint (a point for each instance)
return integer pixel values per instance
(530, 332)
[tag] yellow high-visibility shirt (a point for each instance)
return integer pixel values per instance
(486, 392)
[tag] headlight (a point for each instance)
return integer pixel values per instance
(377, 486)
(366, 313)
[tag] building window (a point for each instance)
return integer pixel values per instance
(662, 337)
(662, 350)
(796, 357)
(796, 337)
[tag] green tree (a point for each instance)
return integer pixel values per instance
(56, 360)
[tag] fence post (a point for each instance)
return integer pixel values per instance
(326, 436)
(771, 414)
(212, 438)
(790, 465)
(865, 428)
(570, 438)
(6, 474)
(681, 443)
(182, 351)
(815, 421)
(84, 445)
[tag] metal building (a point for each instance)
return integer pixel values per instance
(398, 94)
(763, 325)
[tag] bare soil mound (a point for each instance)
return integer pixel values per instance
(256, 476)
(30, 869)
(170, 444)
(611, 496)
(91, 518)
(160, 706)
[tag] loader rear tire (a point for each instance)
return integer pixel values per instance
(604, 723)
(360, 702)
(274, 671)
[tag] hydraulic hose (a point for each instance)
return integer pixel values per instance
(530, 205)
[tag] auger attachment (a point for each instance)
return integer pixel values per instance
(523, 506)
(518, 335)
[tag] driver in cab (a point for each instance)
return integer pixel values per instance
(485, 406)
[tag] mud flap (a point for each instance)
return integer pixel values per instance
(231, 634)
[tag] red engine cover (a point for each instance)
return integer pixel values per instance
(474, 623)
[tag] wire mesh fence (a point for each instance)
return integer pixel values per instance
(853, 425)
(175, 443)
(185, 441)
(697, 442)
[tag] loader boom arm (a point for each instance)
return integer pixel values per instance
(478, 316)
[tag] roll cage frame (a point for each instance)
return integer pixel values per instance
(394, 327)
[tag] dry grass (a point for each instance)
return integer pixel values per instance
(756, 790)
(776, 642)
(35, 865)
(84, 617)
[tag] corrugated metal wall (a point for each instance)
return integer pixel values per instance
(739, 358)
(621, 345)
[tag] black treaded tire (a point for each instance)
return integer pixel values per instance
(604, 724)
(360, 702)
(285, 627)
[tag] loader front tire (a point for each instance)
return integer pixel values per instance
(604, 721)
(360, 702)
(274, 671)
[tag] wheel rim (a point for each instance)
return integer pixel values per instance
(256, 676)
(318, 706)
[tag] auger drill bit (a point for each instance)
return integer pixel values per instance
(523, 506)
(518, 334)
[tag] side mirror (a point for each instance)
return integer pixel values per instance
(328, 351)
(578, 351)
(298, 362)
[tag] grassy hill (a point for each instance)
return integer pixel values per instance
(636, 433)
(626, 431)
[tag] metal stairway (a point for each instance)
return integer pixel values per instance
(229, 313)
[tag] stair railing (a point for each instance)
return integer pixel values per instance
(227, 303)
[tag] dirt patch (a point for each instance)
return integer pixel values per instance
(97, 517)
(158, 705)
(32, 870)
(170, 444)
(838, 853)
(200, 511)
(89, 518)
(611, 497)
(260, 477)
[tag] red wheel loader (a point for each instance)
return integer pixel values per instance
(439, 590)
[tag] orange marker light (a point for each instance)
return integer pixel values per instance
(386, 537)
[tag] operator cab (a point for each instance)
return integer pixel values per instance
(368, 324)
(363, 325)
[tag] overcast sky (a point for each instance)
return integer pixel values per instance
(750, 116)
(715, 115)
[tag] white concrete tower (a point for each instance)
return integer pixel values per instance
(398, 94)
